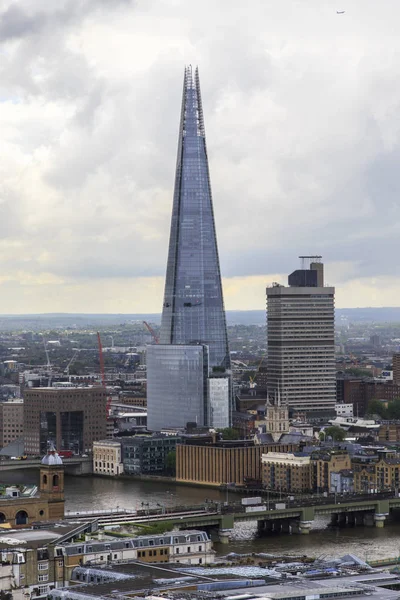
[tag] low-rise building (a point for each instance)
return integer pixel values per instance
(147, 454)
(224, 462)
(342, 482)
(389, 432)
(22, 505)
(107, 458)
(325, 461)
(286, 472)
(189, 547)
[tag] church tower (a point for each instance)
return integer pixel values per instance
(52, 484)
(276, 418)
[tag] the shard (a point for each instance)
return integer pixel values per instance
(193, 311)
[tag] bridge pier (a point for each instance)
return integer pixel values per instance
(224, 535)
(264, 527)
(285, 527)
(342, 520)
(334, 520)
(305, 527)
(295, 526)
(380, 519)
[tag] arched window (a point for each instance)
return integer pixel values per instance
(21, 518)
(55, 480)
(44, 479)
(2, 518)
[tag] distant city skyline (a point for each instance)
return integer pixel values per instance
(302, 108)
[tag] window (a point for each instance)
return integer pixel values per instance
(115, 555)
(188, 548)
(60, 563)
(43, 578)
(200, 548)
(43, 566)
(177, 551)
(21, 518)
(43, 589)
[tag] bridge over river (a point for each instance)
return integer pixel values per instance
(295, 517)
(77, 465)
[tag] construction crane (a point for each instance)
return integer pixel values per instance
(253, 377)
(75, 354)
(102, 373)
(152, 332)
(48, 365)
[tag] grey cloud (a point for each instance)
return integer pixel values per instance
(302, 155)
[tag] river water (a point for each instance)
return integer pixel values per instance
(95, 493)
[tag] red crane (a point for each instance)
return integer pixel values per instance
(102, 373)
(152, 332)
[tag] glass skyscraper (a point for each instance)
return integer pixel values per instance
(193, 310)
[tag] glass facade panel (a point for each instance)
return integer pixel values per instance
(72, 431)
(178, 388)
(193, 317)
(219, 395)
(48, 430)
(193, 310)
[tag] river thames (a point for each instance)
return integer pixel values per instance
(95, 493)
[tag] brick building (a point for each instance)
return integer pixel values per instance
(224, 462)
(11, 421)
(325, 462)
(21, 507)
(70, 418)
(286, 472)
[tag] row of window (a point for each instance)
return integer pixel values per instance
(144, 553)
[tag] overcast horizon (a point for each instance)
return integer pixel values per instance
(301, 109)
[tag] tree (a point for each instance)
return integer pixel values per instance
(170, 463)
(393, 409)
(358, 372)
(229, 433)
(4, 595)
(336, 433)
(375, 407)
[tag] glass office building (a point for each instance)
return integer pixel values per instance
(176, 385)
(193, 310)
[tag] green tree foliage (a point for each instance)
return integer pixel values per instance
(336, 433)
(375, 407)
(154, 528)
(170, 463)
(229, 433)
(358, 372)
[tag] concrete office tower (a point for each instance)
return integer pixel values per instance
(69, 418)
(301, 340)
(193, 339)
(396, 368)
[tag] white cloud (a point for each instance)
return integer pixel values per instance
(301, 108)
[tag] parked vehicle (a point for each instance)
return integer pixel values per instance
(65, 453)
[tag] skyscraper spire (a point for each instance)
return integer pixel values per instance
(188, 372)
(193, 310)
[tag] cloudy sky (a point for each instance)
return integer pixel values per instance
(302, 115)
